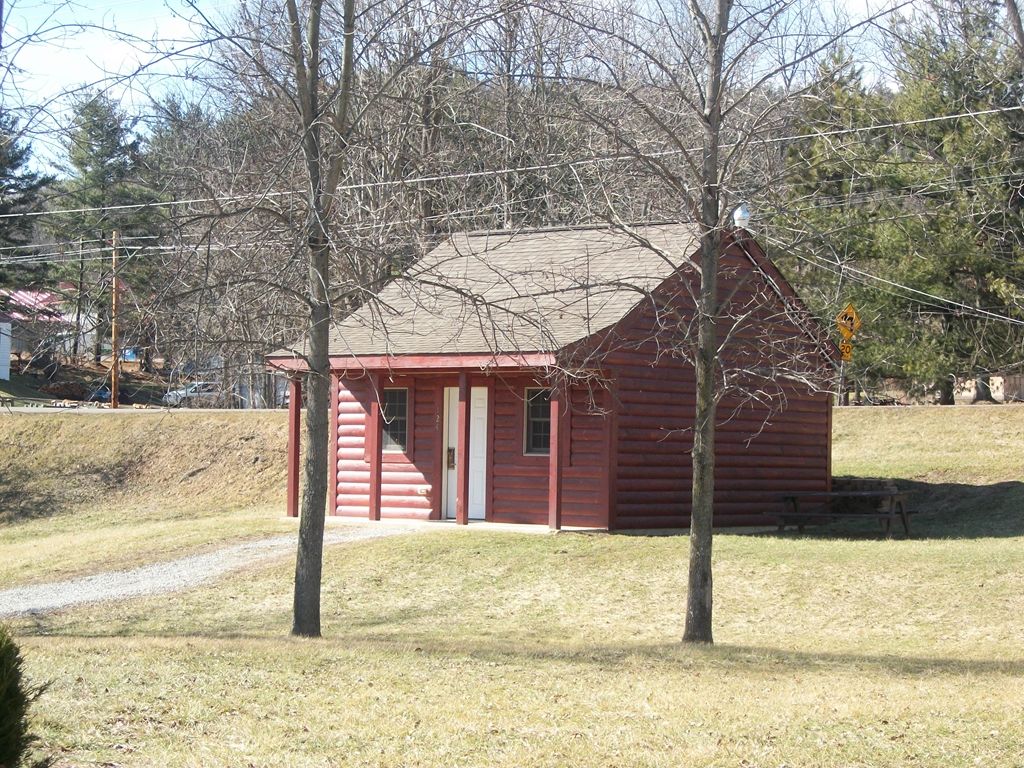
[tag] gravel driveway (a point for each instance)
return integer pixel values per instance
(171, 576)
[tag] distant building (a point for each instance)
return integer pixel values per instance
(45, 321)
(5, 350)
(1005, 388)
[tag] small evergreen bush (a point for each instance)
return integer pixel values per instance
(16, 695)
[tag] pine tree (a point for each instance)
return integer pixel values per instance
(102, 193)
(20, 192)
(933, 205)
(967, 244)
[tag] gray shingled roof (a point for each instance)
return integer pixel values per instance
(530, 291)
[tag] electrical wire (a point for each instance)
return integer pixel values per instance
(594, 160)
(866, 278)
(202, 245)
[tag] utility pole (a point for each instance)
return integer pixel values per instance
(115, 365)
(78, 301)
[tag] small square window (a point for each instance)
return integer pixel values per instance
(538, 421)
(394, 412)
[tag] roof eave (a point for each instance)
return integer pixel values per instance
(440, 361)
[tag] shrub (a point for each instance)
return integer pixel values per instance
(15, 697)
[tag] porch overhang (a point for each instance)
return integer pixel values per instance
(441, 361)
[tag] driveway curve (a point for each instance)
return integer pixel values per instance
(169, 576)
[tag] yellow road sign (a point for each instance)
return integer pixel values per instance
(848, 321)
(846, 350)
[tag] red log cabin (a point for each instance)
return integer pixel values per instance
(543, 376)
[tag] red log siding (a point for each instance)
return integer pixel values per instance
(520, 482)
(759, 453)
(585, 476)
(405, 479)
(755, 460)
(353, 469)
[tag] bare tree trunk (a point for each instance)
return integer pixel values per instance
(75, 348)
(306, 61)
(1013, 16)
(946, 391)
(699, 594)
(97, 344)
(309, 559)
(946, 386)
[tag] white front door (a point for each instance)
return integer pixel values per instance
(451, 439)
(477, 451)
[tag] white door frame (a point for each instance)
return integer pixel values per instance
(476, 452)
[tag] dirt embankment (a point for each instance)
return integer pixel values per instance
(51, 463)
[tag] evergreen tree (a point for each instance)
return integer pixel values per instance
(838, 211)
(102, 193)
(930, 204)
(966, 245)
(20, 192)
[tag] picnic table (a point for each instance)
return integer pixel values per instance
(885, 505)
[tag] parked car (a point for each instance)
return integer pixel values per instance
(199, 393)
(102, 395)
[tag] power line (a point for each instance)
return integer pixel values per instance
(594, 160)
(456, 215)
(882, 195)
(865, 277)
(58, 244)
(838, 268)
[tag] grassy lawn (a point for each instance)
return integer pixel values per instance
(964, 465)
(97, 539)
(470, 648)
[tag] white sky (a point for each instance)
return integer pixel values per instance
(69, 57)
(67, 45)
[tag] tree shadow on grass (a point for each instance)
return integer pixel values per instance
(24, 497)
(668, 656)
(942, 511)
(960, 511)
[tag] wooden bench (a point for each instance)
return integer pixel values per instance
(887, 506)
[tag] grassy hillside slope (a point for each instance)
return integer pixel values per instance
(96, 490)
(964, 465)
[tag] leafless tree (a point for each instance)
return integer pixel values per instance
(355, 96)
(697, 93)
(393, 119)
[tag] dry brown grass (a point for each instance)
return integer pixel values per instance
(973, 444)
(463, 648)
(472, 648)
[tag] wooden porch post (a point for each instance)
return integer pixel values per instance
(294, 436)
(559, 406)
(489, 501)
(462, 454)
(373, 439)
(437, 499)
(612, 453)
